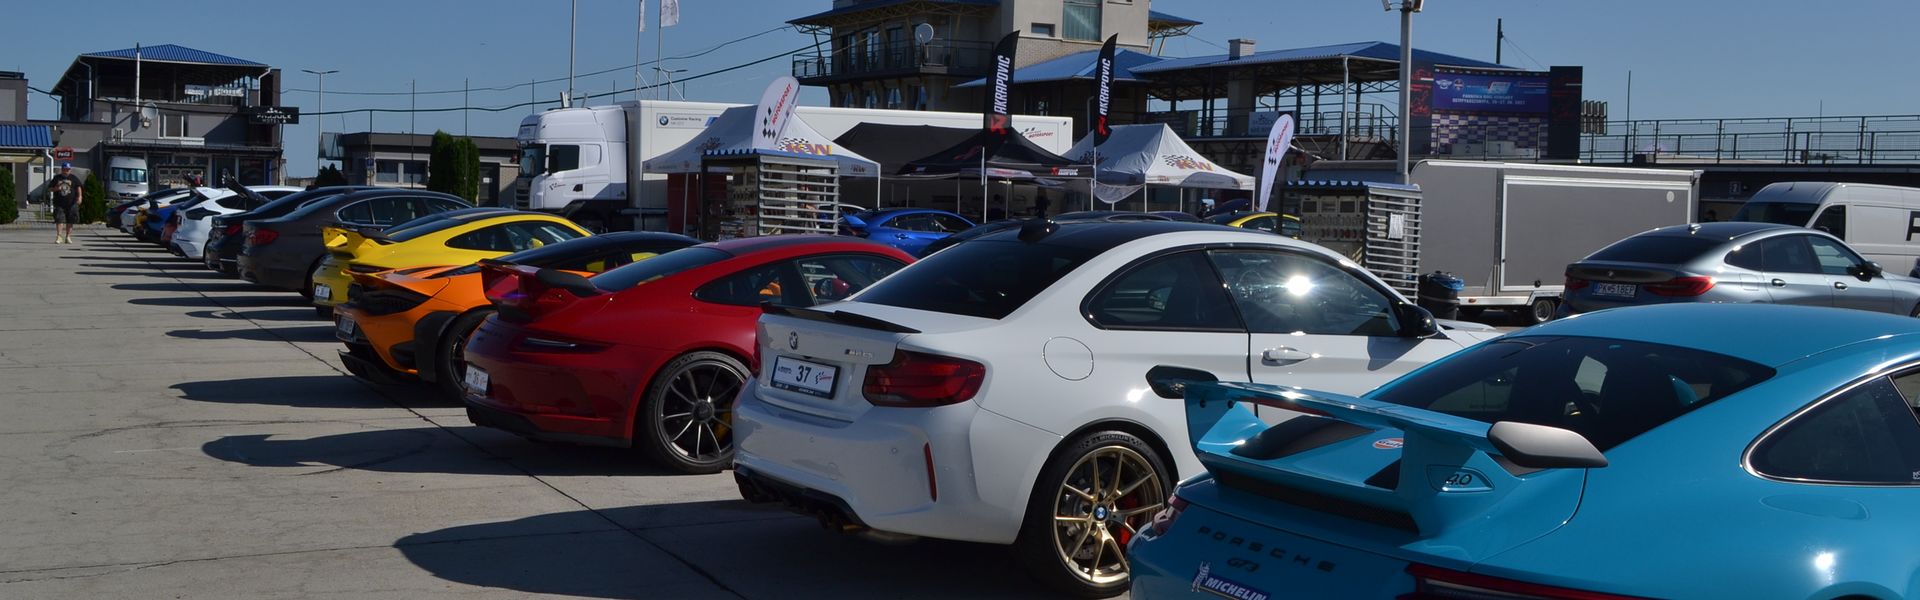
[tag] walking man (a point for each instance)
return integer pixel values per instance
(65, 192)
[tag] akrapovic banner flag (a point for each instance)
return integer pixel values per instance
(1000, 87)
(1103, 74)
(775, 110)
(1278, 141)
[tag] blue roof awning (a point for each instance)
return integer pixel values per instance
(1154, 16)
(176, 53)
(1079, 65)
(873, 4)
(26, 136)
(1367, 50)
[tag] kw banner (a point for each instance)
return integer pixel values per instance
(1104, 76)
(669, 13)
(999, 114)
(1277, 143)
(775, 111)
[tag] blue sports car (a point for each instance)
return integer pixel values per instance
(909, 229)
(1676, 451)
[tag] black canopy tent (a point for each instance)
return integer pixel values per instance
(893, 145)
(1008, 157)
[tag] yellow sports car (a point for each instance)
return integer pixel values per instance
(457, 240)
(1286, 225)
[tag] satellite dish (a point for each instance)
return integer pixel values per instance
(923, 33)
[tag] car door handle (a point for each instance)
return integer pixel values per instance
(1779, 283)
(1284, 355)
(1839, 285)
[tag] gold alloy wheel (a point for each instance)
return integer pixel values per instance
(1108, 495)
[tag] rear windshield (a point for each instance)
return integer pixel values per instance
(982, 278)
(1784, 213)
(1607, 390)
(1659, 249)
(657, 267)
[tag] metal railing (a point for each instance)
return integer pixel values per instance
(1372, 121)
(1885, 139)
(952, 57)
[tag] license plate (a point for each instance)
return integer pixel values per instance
(344, 329)
(806, 377)
(322, 292)
(1622, 290)
(476, 380)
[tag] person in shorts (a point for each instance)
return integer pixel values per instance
(64, 191)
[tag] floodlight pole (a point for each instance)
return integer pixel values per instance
(1401, 166)
(320, 107)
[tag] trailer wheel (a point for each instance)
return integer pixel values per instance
(1540, 311)
(1472, 313)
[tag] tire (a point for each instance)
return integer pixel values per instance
(324, 313)
(450, 363)
(1540, 311)
(691, 397)
(1104, 505)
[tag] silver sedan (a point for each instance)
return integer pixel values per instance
(1735, 262)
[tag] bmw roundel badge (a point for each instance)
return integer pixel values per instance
(793, 340)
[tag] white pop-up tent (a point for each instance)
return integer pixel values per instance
(1152, 155)
(732, 133)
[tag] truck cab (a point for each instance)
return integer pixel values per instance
(570, 157)
(126, 177)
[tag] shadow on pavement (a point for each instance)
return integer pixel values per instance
(305, 315)
(309, 391)
(154, 265)
(406, 451)
(230, 286)
(224, 301)
(311, 334)
(161, 274)
(747, 549)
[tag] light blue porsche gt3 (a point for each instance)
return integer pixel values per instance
(1678, 451)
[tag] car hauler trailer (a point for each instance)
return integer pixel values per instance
(581, 161)
(1509, 230)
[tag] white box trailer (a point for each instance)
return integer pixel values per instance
(1509, 230)
(582, 161)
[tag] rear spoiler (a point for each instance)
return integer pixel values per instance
(349, 242)
(836, 316)
(1524, 444)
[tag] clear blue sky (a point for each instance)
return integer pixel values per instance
(1689, 58)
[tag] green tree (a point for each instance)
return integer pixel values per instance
(9, 209)
(93, 206)
(468, 183)
(329, 176)
(442, 164)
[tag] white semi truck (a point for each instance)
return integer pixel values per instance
(582, 162)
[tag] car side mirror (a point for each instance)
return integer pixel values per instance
(1543, 447)
(1867, 270)
(1171, 382)
(1415, 322)
(573, 283)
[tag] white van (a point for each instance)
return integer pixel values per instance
(126, 177)
(1880, 222)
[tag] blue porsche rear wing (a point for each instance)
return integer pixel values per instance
(1424, 472)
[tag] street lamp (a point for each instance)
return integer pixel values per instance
(320, 110)
(1407, 8)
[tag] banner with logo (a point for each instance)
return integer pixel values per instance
(669, 13)
(643, 15)
(774, 112)
(999, 113)
(1104, 95)
(1277, 143)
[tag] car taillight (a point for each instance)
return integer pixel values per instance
(1576, 283)
(262, 237)
(233, 229)
(1435, 583)
(1163, 520)
(1680, 286)
(916, 379)
(386, 301)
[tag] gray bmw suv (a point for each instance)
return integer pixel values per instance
(1735, 262)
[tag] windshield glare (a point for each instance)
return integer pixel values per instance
(533, 160)
(1797, 214)
(125, 175)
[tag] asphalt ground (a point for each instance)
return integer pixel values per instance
(166, 432)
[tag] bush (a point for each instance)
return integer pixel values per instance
(453, 166)
(9, 208)
(329, 176)
(93, 206)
